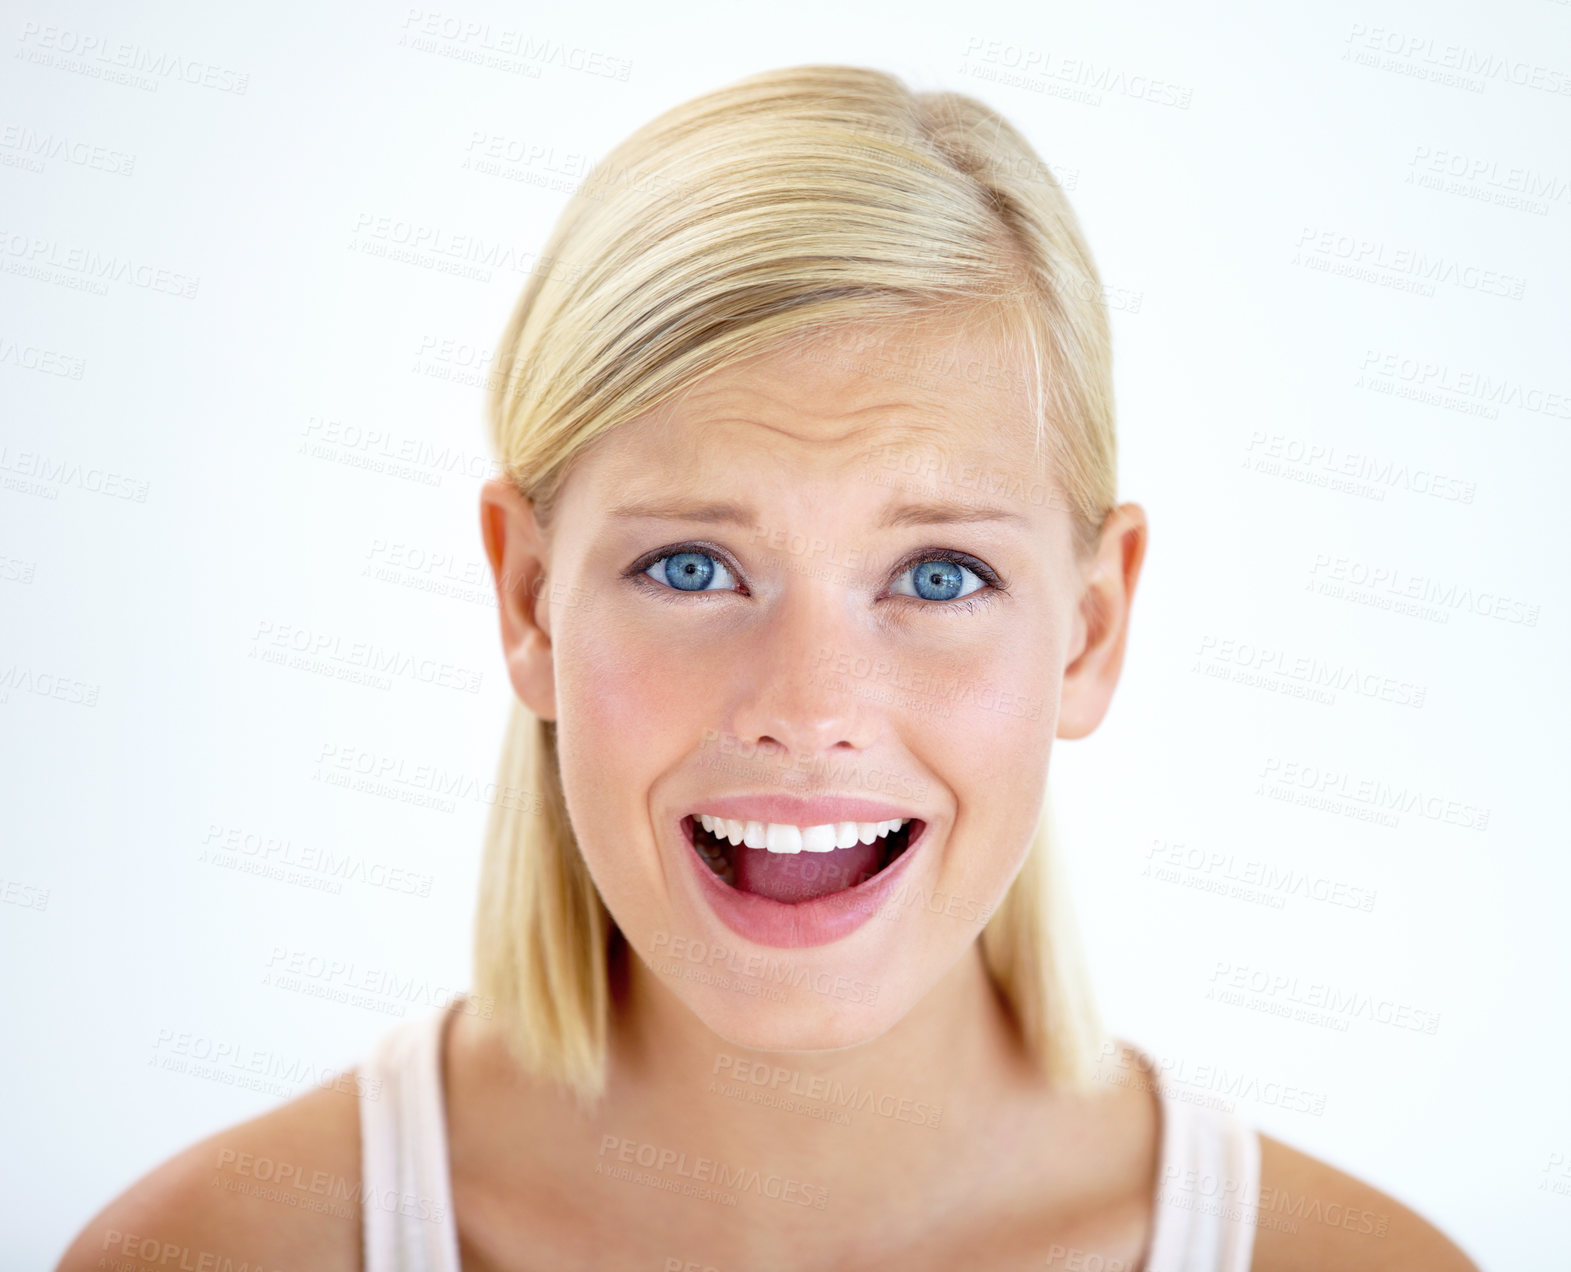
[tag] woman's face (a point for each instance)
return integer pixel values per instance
(829, 587)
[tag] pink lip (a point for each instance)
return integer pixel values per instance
(795, 810)
(805, 923)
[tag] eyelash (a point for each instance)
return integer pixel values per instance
(992, 584)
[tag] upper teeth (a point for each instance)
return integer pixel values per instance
(776, 837)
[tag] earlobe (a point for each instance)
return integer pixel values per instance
(516, 550)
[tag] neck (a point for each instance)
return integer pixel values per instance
(920, 1099)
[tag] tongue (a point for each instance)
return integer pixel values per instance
(801, 876)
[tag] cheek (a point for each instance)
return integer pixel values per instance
(610, 683)
(624, 707)
(639, 684)
(612, 700)
(1000, 696)
(610, 696)
(990, 741)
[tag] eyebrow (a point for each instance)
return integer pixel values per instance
(725, 512)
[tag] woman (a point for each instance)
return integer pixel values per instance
(807, 549)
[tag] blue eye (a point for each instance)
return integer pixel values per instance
(939, 579)
(691, 572)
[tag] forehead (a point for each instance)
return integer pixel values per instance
(815, 406)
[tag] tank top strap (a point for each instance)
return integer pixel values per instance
(1208, 1188)
(406, 1192)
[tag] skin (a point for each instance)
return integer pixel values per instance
(641, 677)
(663, 700)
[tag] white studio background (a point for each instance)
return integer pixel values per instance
(1337, 242)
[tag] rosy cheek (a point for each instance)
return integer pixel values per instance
(607, 744)
(625, 695)
(610, 689)
(996, 733)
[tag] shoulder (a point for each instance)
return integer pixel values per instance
(1313, 1216)
(279, 1191)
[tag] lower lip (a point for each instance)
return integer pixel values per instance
(803, 923)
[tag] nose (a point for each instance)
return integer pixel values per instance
(790, 700)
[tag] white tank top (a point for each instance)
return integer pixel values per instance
(1209, 1160)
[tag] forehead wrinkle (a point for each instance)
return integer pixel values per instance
(688, 426)
(785, 382)
(791, 412)
(733, 404)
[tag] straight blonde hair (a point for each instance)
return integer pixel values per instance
(795, 201)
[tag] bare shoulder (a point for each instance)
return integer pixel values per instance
(279, 1193)
(1313, 1217)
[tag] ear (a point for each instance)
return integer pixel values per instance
(516, 547)
(1102, 622)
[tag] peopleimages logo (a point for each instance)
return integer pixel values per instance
(828, 773)
(710, 1170)
(305, 648)
(1435, 381)
(121, 61)
(1216, 871)
(926, 685)
(963, 474)
(763, 969)
(86, 265)
(1401, 266)
(1320, 1001)
(1424, 57)
(1171, 1072)
(777, 1078)
(293, 1182)
(1294, 774)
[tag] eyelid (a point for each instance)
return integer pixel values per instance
(990, 578)
(976, 565)
(640, 568)
(986, 578)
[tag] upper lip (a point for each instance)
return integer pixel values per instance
(798, 810)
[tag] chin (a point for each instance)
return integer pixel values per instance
(801, 1023)
(775, 944)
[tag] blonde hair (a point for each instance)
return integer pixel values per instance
(795, 201)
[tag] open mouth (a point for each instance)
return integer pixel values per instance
(792, 864)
